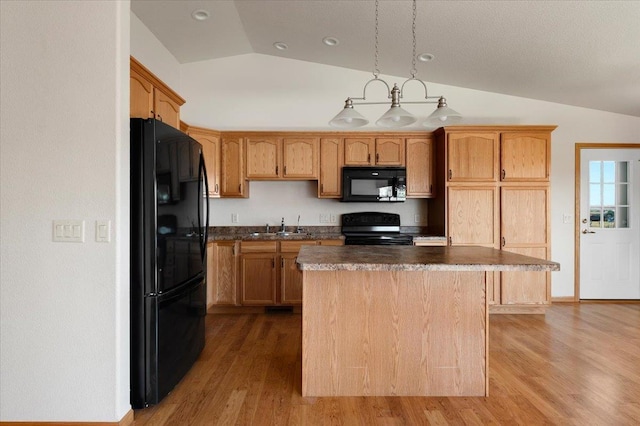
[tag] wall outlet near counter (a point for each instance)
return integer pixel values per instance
(324, 218)
(332, 218)
(417, 218)
(235, 218)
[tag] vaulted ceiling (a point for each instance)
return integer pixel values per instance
(581, 53)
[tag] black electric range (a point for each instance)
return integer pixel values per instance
(373, 228)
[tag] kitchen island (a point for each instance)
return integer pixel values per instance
(399, 320)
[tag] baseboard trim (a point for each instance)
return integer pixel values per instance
(564, 299)
(127, 420)
(618, 301)
(518, 309)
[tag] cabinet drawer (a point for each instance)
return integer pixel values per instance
(259, 246)
(294, 246)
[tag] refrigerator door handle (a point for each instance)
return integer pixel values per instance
(202, 177)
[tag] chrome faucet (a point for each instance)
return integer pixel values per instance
(282, 227)
(267, 228)
(298, 229)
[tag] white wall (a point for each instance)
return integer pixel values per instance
(64, 349)
(148, 50)
(259, 92)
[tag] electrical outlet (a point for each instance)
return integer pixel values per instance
(417, 218)
(332, 218)
(103, 231)
(566, 218)
(235, 218)
(324, 218)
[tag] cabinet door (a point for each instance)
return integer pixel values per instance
(390, 152)
(263, 158)
(359, 151)
(211, 153)
(472, 157)
(473, 216)
(300, 158)
(524, 216)
(258, 272)
(331, 162)
(140, 96)
(232, 182)
(291, 279)
(526, 288)
(524, 227)
(525, 156)
(166, 109)
(222, 267)
(420, 167)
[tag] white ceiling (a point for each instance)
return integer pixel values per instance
(582, 53)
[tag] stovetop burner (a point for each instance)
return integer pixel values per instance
(373, 228)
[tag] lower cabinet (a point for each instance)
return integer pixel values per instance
(256, 273)
(222, 273)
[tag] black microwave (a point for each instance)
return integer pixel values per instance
(365, 184)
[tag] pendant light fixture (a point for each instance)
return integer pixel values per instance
(396, 116)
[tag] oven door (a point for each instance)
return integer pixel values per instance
(366, 184)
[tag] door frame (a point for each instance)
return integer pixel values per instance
(578, 151)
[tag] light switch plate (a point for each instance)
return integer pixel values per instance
(103, 231)
(68, 231)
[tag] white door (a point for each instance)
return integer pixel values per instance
(610, 224)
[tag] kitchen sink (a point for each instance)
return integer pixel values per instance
(262, 234)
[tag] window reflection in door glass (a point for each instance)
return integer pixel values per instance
(609, 188)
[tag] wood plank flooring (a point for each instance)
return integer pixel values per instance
(578, 365)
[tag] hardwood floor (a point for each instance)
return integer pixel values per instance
(578, 365)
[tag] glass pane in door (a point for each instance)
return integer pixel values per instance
(608, 194)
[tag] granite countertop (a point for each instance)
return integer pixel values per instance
(246, 233)
(411, 258)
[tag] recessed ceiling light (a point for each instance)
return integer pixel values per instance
(200, 15)
(280, 45)
(331, 41)
(425, 57)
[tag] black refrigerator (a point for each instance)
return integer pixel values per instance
(169, 221)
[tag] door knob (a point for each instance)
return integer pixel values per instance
(586, 231)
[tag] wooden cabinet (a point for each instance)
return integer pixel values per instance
(374, 151)
(420, 167)
(525, 157)
(232, 181)
(497, 195)
(290, 275)
(269, 274)
(472, 157)
(331, 163)
(473, 216)
(271, 158)
(258, 272)
(222, 273)
(300, 158)
(210, 141)
(524, 229)
(263, 158)
(149, 97)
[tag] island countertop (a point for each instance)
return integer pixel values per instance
(412, 258)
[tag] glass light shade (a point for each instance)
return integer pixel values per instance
(396, 117)
(348, 118)
(443, 114)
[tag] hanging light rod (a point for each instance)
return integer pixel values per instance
(396, 116)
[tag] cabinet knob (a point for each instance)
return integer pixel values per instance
(504, 242)
(377, 158)
(504, 174)
(450, 241)
(216, 188)
(276, 169)
(369, 158)
(450, 174)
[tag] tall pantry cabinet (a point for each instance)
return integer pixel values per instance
(496, 188)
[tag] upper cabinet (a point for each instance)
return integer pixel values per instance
(269, 158)
(374, 151)
(420, 167)
(524, 157)
(151, 98)
(331, 162)
(210, 141)
(472, 156)
(232, 181)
